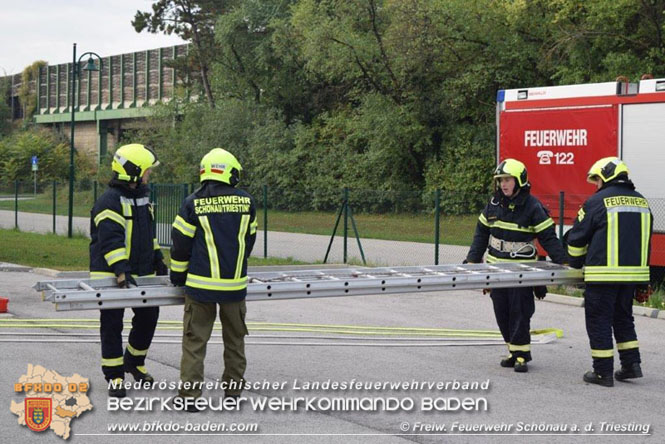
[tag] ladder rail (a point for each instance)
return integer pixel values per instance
(88, 294)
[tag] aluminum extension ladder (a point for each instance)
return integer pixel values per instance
(87, 294)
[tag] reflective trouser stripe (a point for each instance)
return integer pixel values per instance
(524, 348)
(112, 362)
(156, 245)
(609, 353)
(627, 345)
(244, 221)
(136, 352)
(212, 248)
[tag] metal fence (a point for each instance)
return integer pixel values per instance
(379, 227)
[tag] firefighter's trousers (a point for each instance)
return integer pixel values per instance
(198, 322)
(140, 337)
(609, 308)
(513, 308)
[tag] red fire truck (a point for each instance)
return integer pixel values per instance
(560, 131)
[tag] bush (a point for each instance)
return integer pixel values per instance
(463, 171)
(16, 152)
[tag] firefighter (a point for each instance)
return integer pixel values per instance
(123, 245)
(611, 238)
(213, 235)
(506, 229)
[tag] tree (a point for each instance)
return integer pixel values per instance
(193, 21)
(596, 40)
(5, 110)
(27, 92)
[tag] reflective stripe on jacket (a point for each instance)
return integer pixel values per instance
(122, 232)
(213, 236)
(611, 235)
(518, 220)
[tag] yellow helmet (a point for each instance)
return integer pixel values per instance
(130, 162)
(222, 166)
(512, 168)
(606, 169)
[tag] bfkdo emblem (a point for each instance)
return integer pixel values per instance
(38, 413)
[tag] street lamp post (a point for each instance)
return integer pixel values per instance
(90, 66)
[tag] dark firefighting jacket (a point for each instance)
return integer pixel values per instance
(122, 232)
(213, 235)
(611, 235)
(507, 227)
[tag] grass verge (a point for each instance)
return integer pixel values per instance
(657, 299)
(43, 203)
(61, 253)
(454, 230)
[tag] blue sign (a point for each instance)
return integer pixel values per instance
(34, 160)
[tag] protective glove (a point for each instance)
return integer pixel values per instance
(540, 291)
(125, 280)
(642, 293)
(178, 278)
(160, 268)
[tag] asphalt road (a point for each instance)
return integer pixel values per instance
(552, 393)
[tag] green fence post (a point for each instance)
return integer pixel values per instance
(55, 186)
(94, 192)
(332, 236)
(561, 196)
(437, 209)
(16, 204)
(185, 193)
(355, 230)
(346, 220)
(265, 221)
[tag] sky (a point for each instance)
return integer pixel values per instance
(32, 30)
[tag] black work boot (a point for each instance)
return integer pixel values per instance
(520, 365)
(630, 372)
(595, 378)
(116, 388)
(509, 361)
(139, 373)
